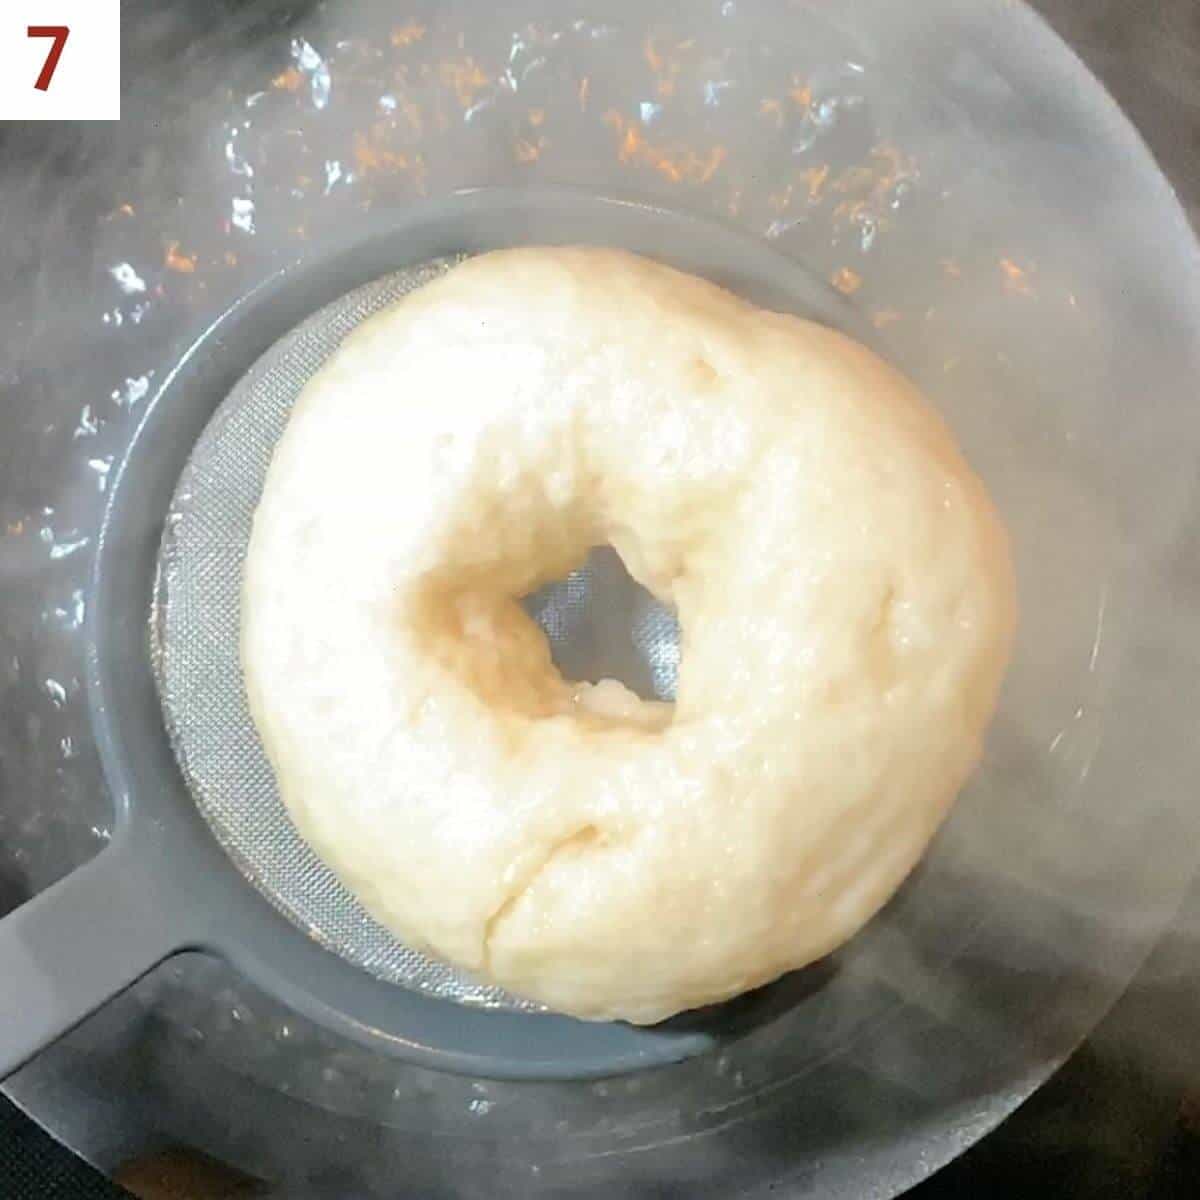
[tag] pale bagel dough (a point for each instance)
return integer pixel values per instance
(842, 581)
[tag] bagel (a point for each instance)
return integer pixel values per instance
(843, 586)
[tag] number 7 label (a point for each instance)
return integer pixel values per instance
(62, 60)
(59, 33)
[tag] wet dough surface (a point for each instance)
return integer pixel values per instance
(843, 586)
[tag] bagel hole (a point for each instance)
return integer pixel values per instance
(602, 624)
(594, 643)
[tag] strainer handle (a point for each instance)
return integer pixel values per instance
(76, 945)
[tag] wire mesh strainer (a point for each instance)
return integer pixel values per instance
(174, 531)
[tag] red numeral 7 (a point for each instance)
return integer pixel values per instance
(59, 34)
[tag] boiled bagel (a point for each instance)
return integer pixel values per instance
(842, 581)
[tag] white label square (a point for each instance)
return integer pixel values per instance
(85, 82)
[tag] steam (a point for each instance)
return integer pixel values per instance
(959, 203)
